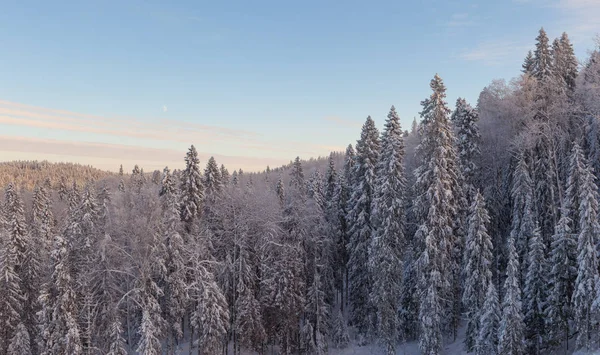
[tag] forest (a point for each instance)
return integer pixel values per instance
(478, 224)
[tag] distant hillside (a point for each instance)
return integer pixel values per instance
(25, 174)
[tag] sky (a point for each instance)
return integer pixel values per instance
(253, 83)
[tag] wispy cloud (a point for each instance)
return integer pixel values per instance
(111, 155)
(342, 121)
(495, 52)
(228, 142)
(580, 18)
(462, 19)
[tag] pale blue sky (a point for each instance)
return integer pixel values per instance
(291, 78)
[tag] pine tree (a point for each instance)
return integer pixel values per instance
(153, 325)
(489, 323)
(339, 336)
(542, 59)
(297, 177)
(388, 238)
(437, 209)
(477, 271)
(192, 190)
(248, 317)
(63, 191)
(522, 211)
(20, 343)
(211, 316)
(60, 326)
(234, 178)
(212, 179)
(74, 197)
(344, 206)
(175, 288)
(156, 177)
(587, 260)
(528, 64)
(465, 120)
(564, 62)
(117, 343)
(23, 259)
(225, 177)
(577, 167)
(367, 155)
(318, 314)
(11, 296)
(280, 191)
(42, 217)
(121, 170)
(535, 293)
(316, 190)
(559, 310)
(511, 338)
(136, 180)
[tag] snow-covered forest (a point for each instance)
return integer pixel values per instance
(478, 225)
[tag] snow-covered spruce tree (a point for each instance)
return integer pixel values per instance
(63, 190)
(42, 218)
(225, 176)
(11, 295)
(563, 273)
(489, 323)
(248, 317)
(175, 292)
(121, 170)
(464, 119)
(167, 184)
(60, 306)
(339, 331)
(211, 315)
(135, 179)
(542, 59)
(24, 259)
(283, 274)
(522, 224)
(527, 67)
(477, 272)
(564, 62)
(587, 261)
(436, 208)
(331, 180)
(155, 179)
(212, 180)
(297, 177)
(577, 167)
(316, 190)
(318, 314)
(280, 190)
(512, 329)
(385, 254)
(89, 210)
(361, 227)
(117, 345)
(535, 291)
(153, 324)
(74, 197)
(192, 190)
(20, 344)
(234, 178)
(344, 206)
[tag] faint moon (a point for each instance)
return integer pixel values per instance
(164, 108)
